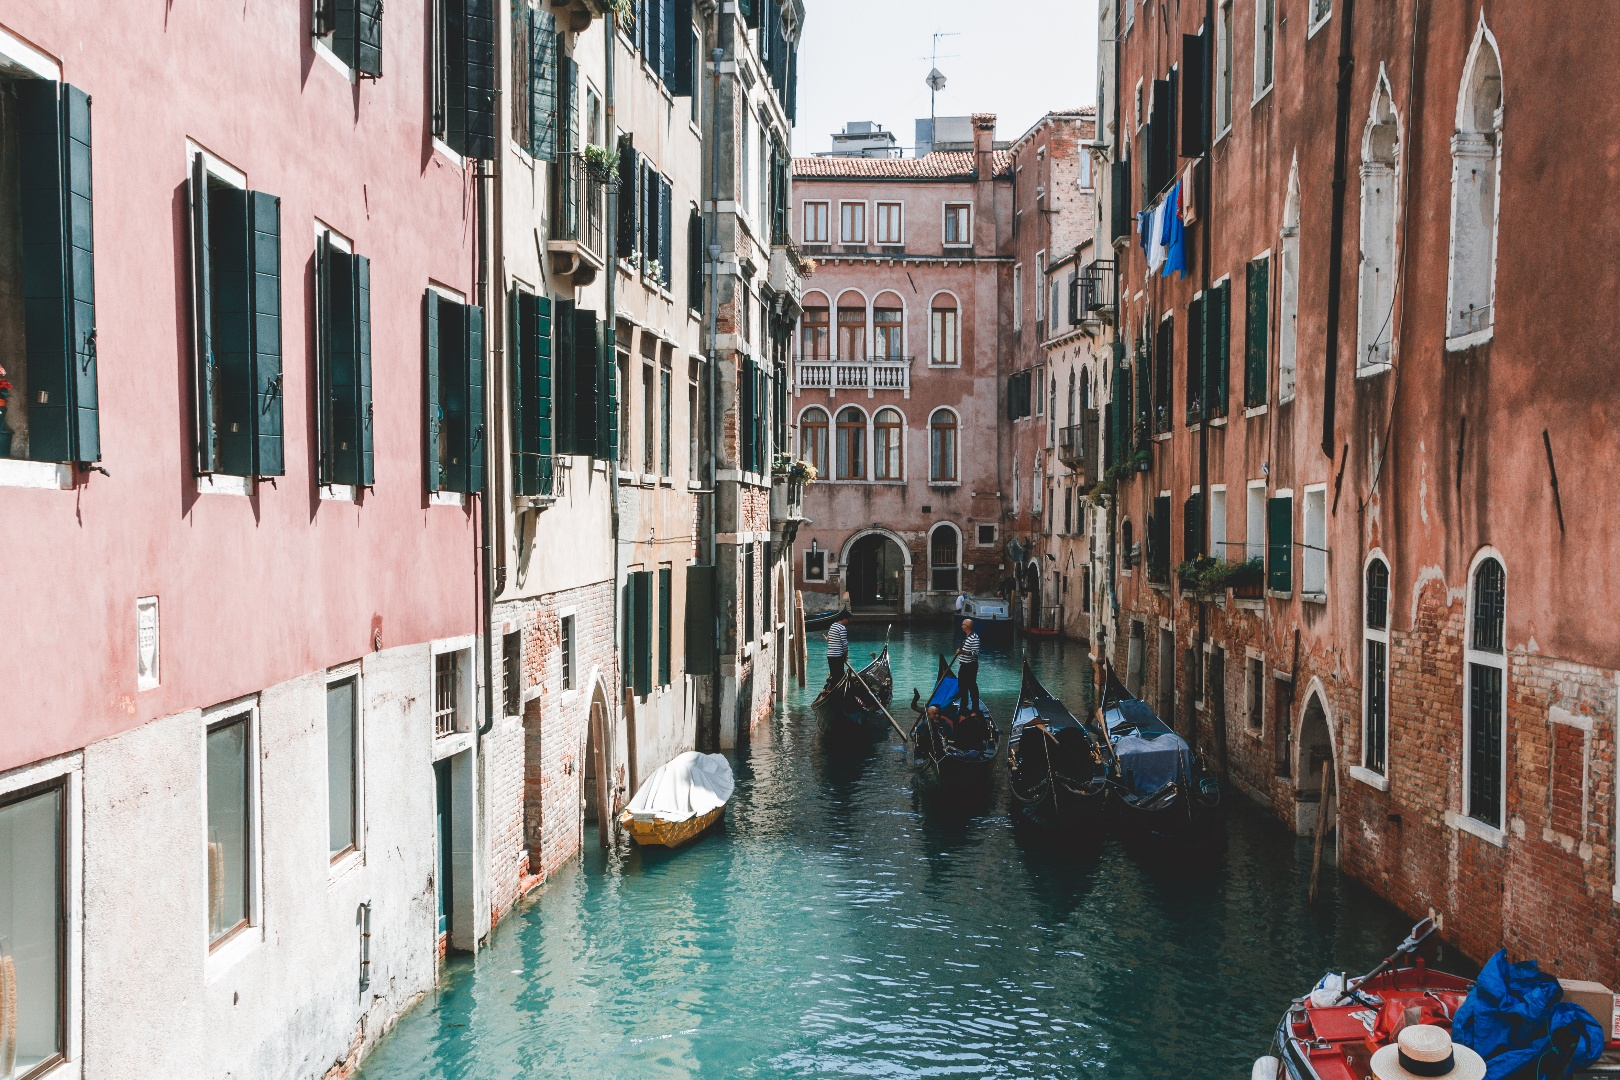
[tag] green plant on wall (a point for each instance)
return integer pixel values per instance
(1111, 477)
(1207, 576)
(602, 162)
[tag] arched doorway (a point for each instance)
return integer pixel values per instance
(877, 571)
(1314, 749)
(594, 791)
(1032, 589)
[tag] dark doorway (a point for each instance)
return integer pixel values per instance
(877, 574)
(1315, 752)
(446, 891)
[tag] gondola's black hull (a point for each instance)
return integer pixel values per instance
(846, 714)
(1081, 814)
(835, 724)
(1175, 814)
(953, 774)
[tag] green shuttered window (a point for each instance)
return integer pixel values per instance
(56, 401)
(344, 350)
(666, 609)
(1280, 543)
(1158, 541)
(466, 88)
(356, 28)
(453, 394)
(1256, 325)
(531, 407)
(639, 629)
(236, 309)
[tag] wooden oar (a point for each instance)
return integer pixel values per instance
(880, 705)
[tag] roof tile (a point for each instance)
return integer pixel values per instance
(940, 165)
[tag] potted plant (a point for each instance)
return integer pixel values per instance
(601, 164)
(5, 397)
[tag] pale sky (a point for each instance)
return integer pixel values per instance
(867, 59)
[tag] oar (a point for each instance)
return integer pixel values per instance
(880, 705)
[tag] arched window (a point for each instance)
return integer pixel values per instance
(943, 344)
(1288, 309)
(1485, 694)
(813, 329)
(888, 321)
(942, 447)
(1375, 668)
(887, 430)
(1071, 397)
(813, 439)
(1476, 173)
(944, 558)
(851, 450)
(1380, 150)
(852, 327)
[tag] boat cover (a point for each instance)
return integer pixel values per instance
(689, 786)
(946, 691)
(1150, 754)
(1514, 1016)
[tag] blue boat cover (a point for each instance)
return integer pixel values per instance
(1150, 754)
(1515, 1019)
(944, 696)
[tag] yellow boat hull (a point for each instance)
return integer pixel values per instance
(670, 834)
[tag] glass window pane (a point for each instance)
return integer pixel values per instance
(1485, 744)
(1490, 602)
(30, 906)
(1373, 732)
(227, 827)
(340, 783)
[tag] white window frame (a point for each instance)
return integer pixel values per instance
(1250, 674)
(339, 242)
(468, 688)
(1370, 636)
(1225, 32)
(1262, 88)
(995, 533)
(965, 212)
(872, 449)
(1316, 22)
(900, 214)
(1217, 521)
(957, 587)
(1455, 342)
(825, 236)
(1465, 821)
(1288, 292)
(848, 240)
(219, 956)
(1040, 286)
(1313, 554)
(1018, 296)
(1387, 175)
(956, 331)
(1254, 524)
(356, 851)
(822, 577)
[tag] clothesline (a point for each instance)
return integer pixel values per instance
(1160, 230)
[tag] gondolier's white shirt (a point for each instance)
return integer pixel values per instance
(837, 640)
(968, 653)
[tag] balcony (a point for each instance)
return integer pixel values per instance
(576, 15)
(1077, 448)
(578, 208)
(1097, 289)
(786, 278)
(833, 375)
(787, 499)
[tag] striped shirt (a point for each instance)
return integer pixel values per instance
(837, 640)
(968, 652)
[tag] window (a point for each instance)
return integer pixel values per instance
(852, 223)
(342, 765)
(695, 428)
(638, 632)
(1485, 710)
(944, 562)
(887, 327)
(958, 225)
(1288, 302)
(1314, 578)
(1320, 10)
(944, 348)
(1256, 332)
(33, 926)
(666, 619)
(745, 143)
(1256, 694)
(1476, 168)
(813, 343)
(665, 379)
(352, 30)
(565, 651)
(1164, 362)
(851, 447)
(985, 535)
(1217, 523)
(649, 421)
(1380, 147)
(1130, 14)
(530, 413)
(534, 94)
(622, 364)
(1068, 509)
(1019, 404)
(1280, 543)
(230, 827)
(815, 223)
(887, 435)
(1255, 521)
(512, 673)
(750, 569)
(889, 223)
(236, 305)
(1265, 45)
(815, 565)
(1375, 682)
(1083, 181)
(447, 693)
(343, 356)
(1040, 291)
(1018, 297)
(851, 328)
(813, 439)
(464, 81)
(455, 394)
(694, 259)
(1158, 541)
(1223, 67)
(753, 400)
(1038, 392)
(51, 410)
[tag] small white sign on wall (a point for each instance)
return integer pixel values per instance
(146, 642)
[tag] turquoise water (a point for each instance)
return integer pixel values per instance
(839, 926)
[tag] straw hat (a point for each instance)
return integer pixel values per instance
(1423, 1051)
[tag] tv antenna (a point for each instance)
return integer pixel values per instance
(936, 78)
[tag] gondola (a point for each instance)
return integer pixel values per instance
(849, 710)
(818, 622)
(1059, 766)
(956, 755)
(1159, 787)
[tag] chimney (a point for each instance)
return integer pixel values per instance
(984, 141)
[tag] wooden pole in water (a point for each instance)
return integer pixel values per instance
(800, 646)
(1321, 827)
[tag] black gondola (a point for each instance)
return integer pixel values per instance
(850, 710)
(819, 621)
(1159, 785)
(1059, 766)
(952, 753)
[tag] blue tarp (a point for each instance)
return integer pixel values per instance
(1515, 1020)
(944, 696)
(1150, 754)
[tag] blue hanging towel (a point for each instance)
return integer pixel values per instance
(1515, 1020)
(1174, 237)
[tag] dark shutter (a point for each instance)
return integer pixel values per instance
(1144, 395)
(229, 243)
(434, 414)
(59, 312)
(682, 76)
(1119, 195)
(1192, 518)
(792, 105)
(479, 79)
(700, 643)
(345, 27)
(1257, 320)
(666, 612)
(542, 85)
(641, 649)
(565, 410)
(476, 443)
(202, 388)
(607, 374)
(694, 260)
(368, 37)
(530, 420)
(1194, 100)
(750, 10)
(1161, 139)
(666, 241)
(646, 211)
(1197, 353)
(663, 51)
(629, 167)
(362, 365)
(340, 454)
(746, 387)
(263, 272)
(540, 362)
(1280, 544)
(587, 351)
(1221, 345)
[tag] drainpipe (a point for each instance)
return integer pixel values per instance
(486, 508)
(1341, 152)
(718, 56)
(610, 27)
(1206, 202)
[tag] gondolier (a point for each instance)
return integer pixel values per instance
(967, 668)
(837, 646)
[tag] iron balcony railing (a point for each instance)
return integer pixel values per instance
(1097, 287)
(578, 204)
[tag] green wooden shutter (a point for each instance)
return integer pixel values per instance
(345, 27)
(478, 78)
(341, 453)
(1196, 355)
(762, 419)
(682, 77)
(562, 386)
(610, 403)
(1256, 332)
(745, 414)
(476, 442)
(1219, 347)
(666, 241)
(531, 393)
(587, 352)
(666, 613)
(520, 407)
(264, 287)
(627, 650)
(700, 643)
(229, 245)
(641, 582)
(1280, 544)
(541, 361)
(629, 167)
(202, 387)
(434, 414)
(362, 357)
(543, 88)
(368, 38)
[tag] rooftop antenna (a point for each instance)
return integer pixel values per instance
(936, 78)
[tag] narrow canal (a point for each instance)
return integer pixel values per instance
(836, 927)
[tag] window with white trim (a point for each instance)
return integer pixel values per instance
(1265, 45)
(890, 223)
(34, 978)
(1255, 521)
(1040, 291)
(343, 765)
(1380, 148)
(852, 223)
(1288, 301)
(1314, 558)
(944, 329)
(1321, 10)
(945, 558)
(1485, 694)
(1476, 167)
(229, 844)
(815, 223)
(1217, 522)
(1223, 67)
(958, 224)
(942, 434)
(1375, 667)
(815, 564)
(1018, 296)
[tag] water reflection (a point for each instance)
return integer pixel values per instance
(841, 925)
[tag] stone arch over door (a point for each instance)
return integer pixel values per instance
(1314, 745)
(596, 764)
(849, 548)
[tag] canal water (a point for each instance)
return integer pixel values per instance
(840, 926)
